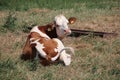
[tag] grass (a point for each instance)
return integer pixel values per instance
(95, 58)
(55, 4)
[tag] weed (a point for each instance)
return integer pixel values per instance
(32, 66)
(48, 76)
(9, 70)
(8, 64)
(117, 60)
(3, 30)
(116, 46)
(26, 26)
(99, 46)
(115, 72)
(17, 45)
(10, 22)
(87, 38)
(6, 67)
(84, 52)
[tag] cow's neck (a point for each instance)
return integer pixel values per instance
(52, 33)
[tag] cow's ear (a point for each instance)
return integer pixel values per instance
(72, 20)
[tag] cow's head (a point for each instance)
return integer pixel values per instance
(61, 23)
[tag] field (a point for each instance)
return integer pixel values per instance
(95, 58)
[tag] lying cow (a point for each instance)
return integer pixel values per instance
(50, 50)
(58, 29)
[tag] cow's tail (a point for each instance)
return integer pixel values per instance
(68, 48)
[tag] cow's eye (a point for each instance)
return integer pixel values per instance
(57, 25)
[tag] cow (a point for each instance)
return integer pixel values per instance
(44, 38)
(51, 50)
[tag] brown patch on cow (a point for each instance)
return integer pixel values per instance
(35, 35)
(46, 27)
(49, 29)
(42, 28)
(49, 45)
(28, 51)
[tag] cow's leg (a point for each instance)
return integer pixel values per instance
(66, 58)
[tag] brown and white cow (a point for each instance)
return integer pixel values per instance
(51, 50)
(40, 41)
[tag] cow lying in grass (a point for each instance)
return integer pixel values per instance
(40, 42)
(51, 50)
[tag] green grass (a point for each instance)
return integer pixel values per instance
(95, 58)
(77, 8)
(55, 4)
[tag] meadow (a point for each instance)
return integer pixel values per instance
(95, 58)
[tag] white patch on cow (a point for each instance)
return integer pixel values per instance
(56, 50)
(35, 29)
(39, 48)
(54, 58)
(32, 39)
(62, 22)
(60, 45)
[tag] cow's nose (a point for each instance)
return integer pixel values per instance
(67, 31)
